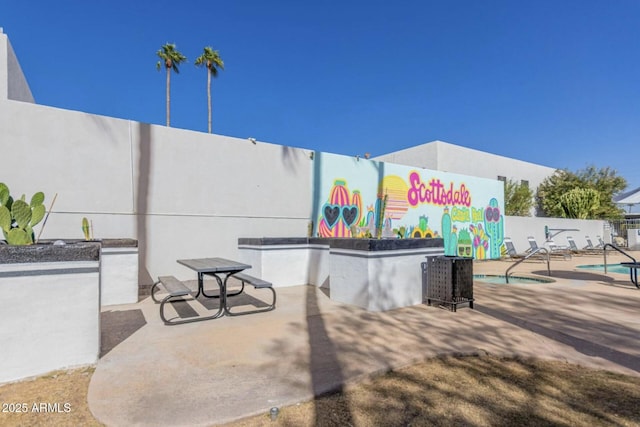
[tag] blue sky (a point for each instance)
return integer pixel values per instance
(554, 82)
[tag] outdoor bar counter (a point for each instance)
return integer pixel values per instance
(375, 274)
(49, 308)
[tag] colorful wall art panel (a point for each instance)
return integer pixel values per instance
(355, 197)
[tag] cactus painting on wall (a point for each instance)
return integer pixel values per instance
(364, 198)
(494, 227)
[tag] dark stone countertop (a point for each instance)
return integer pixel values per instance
(107, 243)
(347, 243)
(48, 252)
(269, 241)
(374, 245)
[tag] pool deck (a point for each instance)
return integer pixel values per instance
(215, 372)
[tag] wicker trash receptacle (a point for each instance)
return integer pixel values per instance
(448, 280)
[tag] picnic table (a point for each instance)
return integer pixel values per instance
(219, 268)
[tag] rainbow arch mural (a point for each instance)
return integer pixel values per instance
(355, 197)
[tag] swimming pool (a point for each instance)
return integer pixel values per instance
(611, 268)
(499, 279)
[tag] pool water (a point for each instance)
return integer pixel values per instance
(611, 268)
(501, 280)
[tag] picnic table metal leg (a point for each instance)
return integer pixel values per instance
(223, 291)
(222, 284)
(223, 302)
(234, 293)
(201, 285)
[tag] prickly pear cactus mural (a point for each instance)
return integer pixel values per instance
(480, 241)
(340, 212)
(494, 227)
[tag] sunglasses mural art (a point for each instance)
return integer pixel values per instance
(366, 198)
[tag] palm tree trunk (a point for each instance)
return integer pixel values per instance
(168, 97)
(209, 96)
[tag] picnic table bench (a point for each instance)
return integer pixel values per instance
(257, 284)
(176, 290)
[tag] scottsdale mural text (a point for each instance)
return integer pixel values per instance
(436, 193)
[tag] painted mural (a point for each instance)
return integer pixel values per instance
(364, 198)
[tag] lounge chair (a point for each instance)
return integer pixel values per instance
(533, 244)
(513, 254)
(553, 248)
(511, 249)
(573, 247)
(590, 245)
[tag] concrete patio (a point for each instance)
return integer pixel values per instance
(217, 371)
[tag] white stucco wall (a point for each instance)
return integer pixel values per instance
(380, 280)
(442, 156)
(180, 193)
(118, 276)
(282, 265)
(520, 228)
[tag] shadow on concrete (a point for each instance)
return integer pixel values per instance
(311, 347)
(583, 275)
(117, 326)
(183, 308)
(324, 364)
(575, 275)
(583, 346)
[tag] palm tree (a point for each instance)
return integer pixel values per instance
(211, 59)
(171, 58)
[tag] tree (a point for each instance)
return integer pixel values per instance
(604, 181)
(554, 186)
(211, 60)
(607, 182)
(518, 199)
(171, 58)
